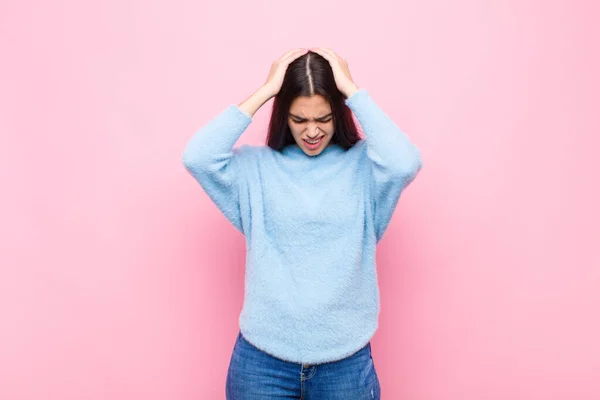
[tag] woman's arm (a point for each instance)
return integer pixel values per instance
(209, 155)
(394, 160)
(211, 159)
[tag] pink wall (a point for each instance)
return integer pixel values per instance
(119, 278)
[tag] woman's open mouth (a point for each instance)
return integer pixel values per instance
(313, 144)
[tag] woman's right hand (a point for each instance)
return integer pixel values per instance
(278, 69)
(273, 84)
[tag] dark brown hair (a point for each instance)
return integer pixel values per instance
(310, 75)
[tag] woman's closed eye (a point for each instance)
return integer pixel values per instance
(317, 120)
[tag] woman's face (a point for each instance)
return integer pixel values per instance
(310, 119)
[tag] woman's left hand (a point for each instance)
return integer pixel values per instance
(341, 73)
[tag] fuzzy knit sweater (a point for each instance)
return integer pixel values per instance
(311, 225)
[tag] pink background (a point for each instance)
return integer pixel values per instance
(119, 278)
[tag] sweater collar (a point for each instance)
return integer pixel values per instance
(294, 151)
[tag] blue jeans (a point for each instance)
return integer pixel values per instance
(256, 375)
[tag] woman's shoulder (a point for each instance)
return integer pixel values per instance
(359, 148)
(361, 142)
(248, 153)
(249, 150)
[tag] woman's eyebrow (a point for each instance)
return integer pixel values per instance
(323, 117)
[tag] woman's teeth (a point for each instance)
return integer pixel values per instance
(313, 141)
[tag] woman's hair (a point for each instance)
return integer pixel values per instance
(309, 75)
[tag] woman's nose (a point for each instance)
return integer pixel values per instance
(313, 130)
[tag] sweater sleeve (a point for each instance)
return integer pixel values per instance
(393, 159)
(210, 158)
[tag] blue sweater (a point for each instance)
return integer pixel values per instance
(311, 225)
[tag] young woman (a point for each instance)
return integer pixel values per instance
(312, 206)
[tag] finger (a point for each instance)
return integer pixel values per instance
(332, 54)
(329, 55)
(333, 59)
(320, 51)
(290, 53)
